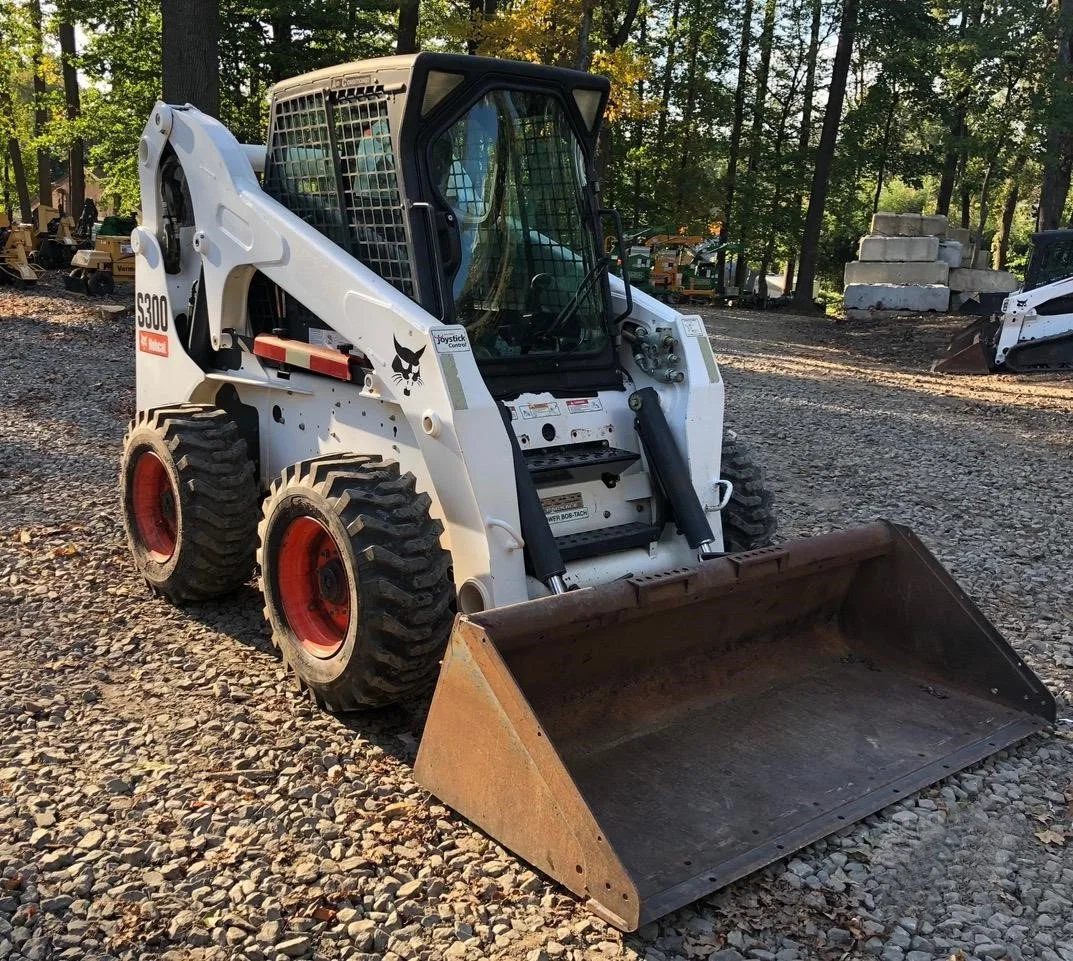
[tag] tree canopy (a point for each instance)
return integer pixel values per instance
(789, 122)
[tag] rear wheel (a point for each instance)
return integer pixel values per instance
(356, 586)
(749, 518)
(189, 501)
(100, 283)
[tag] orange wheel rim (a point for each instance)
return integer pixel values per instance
(154, 505)
(313, 588)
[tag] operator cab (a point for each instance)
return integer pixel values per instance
(468, 184)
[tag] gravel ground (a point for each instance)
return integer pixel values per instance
(164, 793)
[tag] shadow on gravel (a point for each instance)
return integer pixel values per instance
(396, 730)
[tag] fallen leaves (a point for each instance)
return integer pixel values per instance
(1052, 836)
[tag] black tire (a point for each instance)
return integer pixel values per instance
(100, 283)
(189, 499)
(749, 519)
(357, 588)
(48, 255)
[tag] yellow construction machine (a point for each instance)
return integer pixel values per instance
(54, 239)
(96, 271)
(16, 243)
(396, 374)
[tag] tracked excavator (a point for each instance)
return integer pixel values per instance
(381, 361)
(1034, 332)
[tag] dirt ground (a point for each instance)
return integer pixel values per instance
(165, 793)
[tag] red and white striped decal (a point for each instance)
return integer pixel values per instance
(297, 353)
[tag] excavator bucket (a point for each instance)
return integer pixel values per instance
(972, 349)
(651, 740)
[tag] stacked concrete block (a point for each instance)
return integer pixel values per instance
(863, 272)
(933, 225)
(951, 252)
(901, 266)
(912, 262)
(880, 249)
(909, 225)
(918, 298)
(961, 234)
(982, 281)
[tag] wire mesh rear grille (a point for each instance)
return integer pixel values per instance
(330, 161)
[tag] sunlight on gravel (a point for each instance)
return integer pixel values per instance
(165, 793)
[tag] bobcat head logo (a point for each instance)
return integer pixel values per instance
(406, 367)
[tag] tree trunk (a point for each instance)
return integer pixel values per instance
(668, 77)
(804, 136)
(832, 118)
(688, 113)
(638, 137)
(409, 11)
(44, 162)
(76, 159)
(584, 38)
(19, 173)
(763, 69)
(190, 45)
(985, 199)
(1009, 208)
(886, 148)
(1058, 160)
(282, 49)
(971, 12)
(950, 165)
(735, 137)
(966, 194)
(622, 34)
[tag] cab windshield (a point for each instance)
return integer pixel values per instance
(524, 279)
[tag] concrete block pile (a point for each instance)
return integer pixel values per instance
(918, 263)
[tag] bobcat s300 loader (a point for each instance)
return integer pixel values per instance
(397, 376)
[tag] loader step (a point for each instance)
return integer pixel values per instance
(579, 458)
(575, 547)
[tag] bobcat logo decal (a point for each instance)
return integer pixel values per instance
(406, 367)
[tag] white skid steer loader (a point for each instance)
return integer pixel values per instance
(1034, 332)
(397, 376)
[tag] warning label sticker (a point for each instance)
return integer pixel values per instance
(534, 411)
(692, 326)
(326, 338)
(153, 343)
(564, 507)
(583, 405)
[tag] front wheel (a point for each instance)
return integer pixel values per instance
(356, 586)
(749, 520)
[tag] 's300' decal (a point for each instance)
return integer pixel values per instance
(152, 312)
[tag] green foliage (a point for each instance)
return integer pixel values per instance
(933, 83)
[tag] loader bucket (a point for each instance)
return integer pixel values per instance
(651, 740)
(971, 350)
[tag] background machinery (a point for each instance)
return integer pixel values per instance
(16, 244)
(96, 270)
(398, 378)
(1034, 331)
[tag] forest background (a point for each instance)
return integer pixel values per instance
(789, 121)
